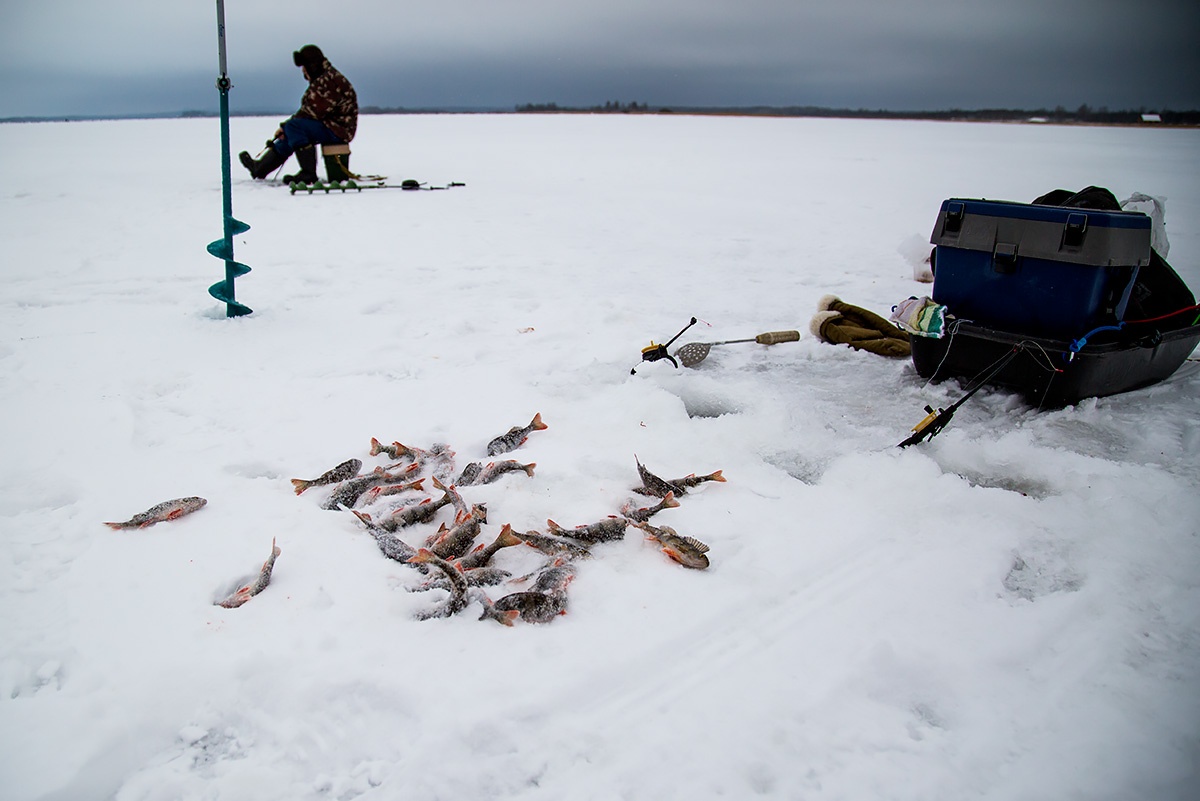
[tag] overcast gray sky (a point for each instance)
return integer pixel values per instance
(67, 57)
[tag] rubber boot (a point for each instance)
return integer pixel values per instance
(263, 167)
(307, 159)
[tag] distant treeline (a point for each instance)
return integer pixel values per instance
(1083, 114)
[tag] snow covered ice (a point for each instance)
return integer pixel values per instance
(1009, 611)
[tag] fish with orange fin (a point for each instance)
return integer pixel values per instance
(457, 584)
(692, 480)
(392, 546)
(551, 577)
(631, 512)
(366, 519)
(607, 530)
(381, 490)
(159, 513)
(349, 492)
(438, 461)
(493, 470)
(461, 511)
(469, 475)
(345, 470)
(418, 513)
(404, 516)
(490, 612)
(248, 591)
(687, 551)
(554, 546)
(534, 607)
(515, 437)
(478, 577)
(453, 543)
(484, 553)
(393, 451)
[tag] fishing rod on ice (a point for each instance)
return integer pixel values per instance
(653, 352)
(937, 419)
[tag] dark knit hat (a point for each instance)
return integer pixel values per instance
(308, 56)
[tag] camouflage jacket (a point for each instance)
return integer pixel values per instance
(331, 99)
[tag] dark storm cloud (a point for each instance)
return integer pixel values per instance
(141, 56)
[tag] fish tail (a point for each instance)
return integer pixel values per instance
(536, 424)
(528, 468)
(668, 501)
(490, 612)
(422, 555)
(376, 447)
(717, 476)
(437, 484)
(300, 485)
(554, 527)
(507, 538)
(115, 526)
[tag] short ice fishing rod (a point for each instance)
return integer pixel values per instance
(937, 419)
(652, 352)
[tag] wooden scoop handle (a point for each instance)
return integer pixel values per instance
(774, 337)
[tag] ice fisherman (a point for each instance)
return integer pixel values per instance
(328, 114)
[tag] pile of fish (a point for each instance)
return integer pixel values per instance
(457, 558)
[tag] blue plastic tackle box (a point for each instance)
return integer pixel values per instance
(1039, 270)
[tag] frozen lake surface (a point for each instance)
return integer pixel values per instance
(1009, 611)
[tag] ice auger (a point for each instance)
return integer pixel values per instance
(223, 248)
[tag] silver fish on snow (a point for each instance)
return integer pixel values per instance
(490, 612)
(457, 585)
(381, 490)
(392, 546)
(452, 543)
(349, 492)
(248, 591)
(394, 451)
(534, 607)
(477, 577)
(554, 546)
(461, 511)
(345, 470)
(693, 480)
(438, 461)
(484, 553)
(515, 437)
(493, 470)
(607, 530)
(469, 475)
(554, 576)
(653, 485)
(477, 473)
(418, 513)
(630, 511)
(167, 510)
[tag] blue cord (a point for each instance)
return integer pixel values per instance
(1077, 344)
